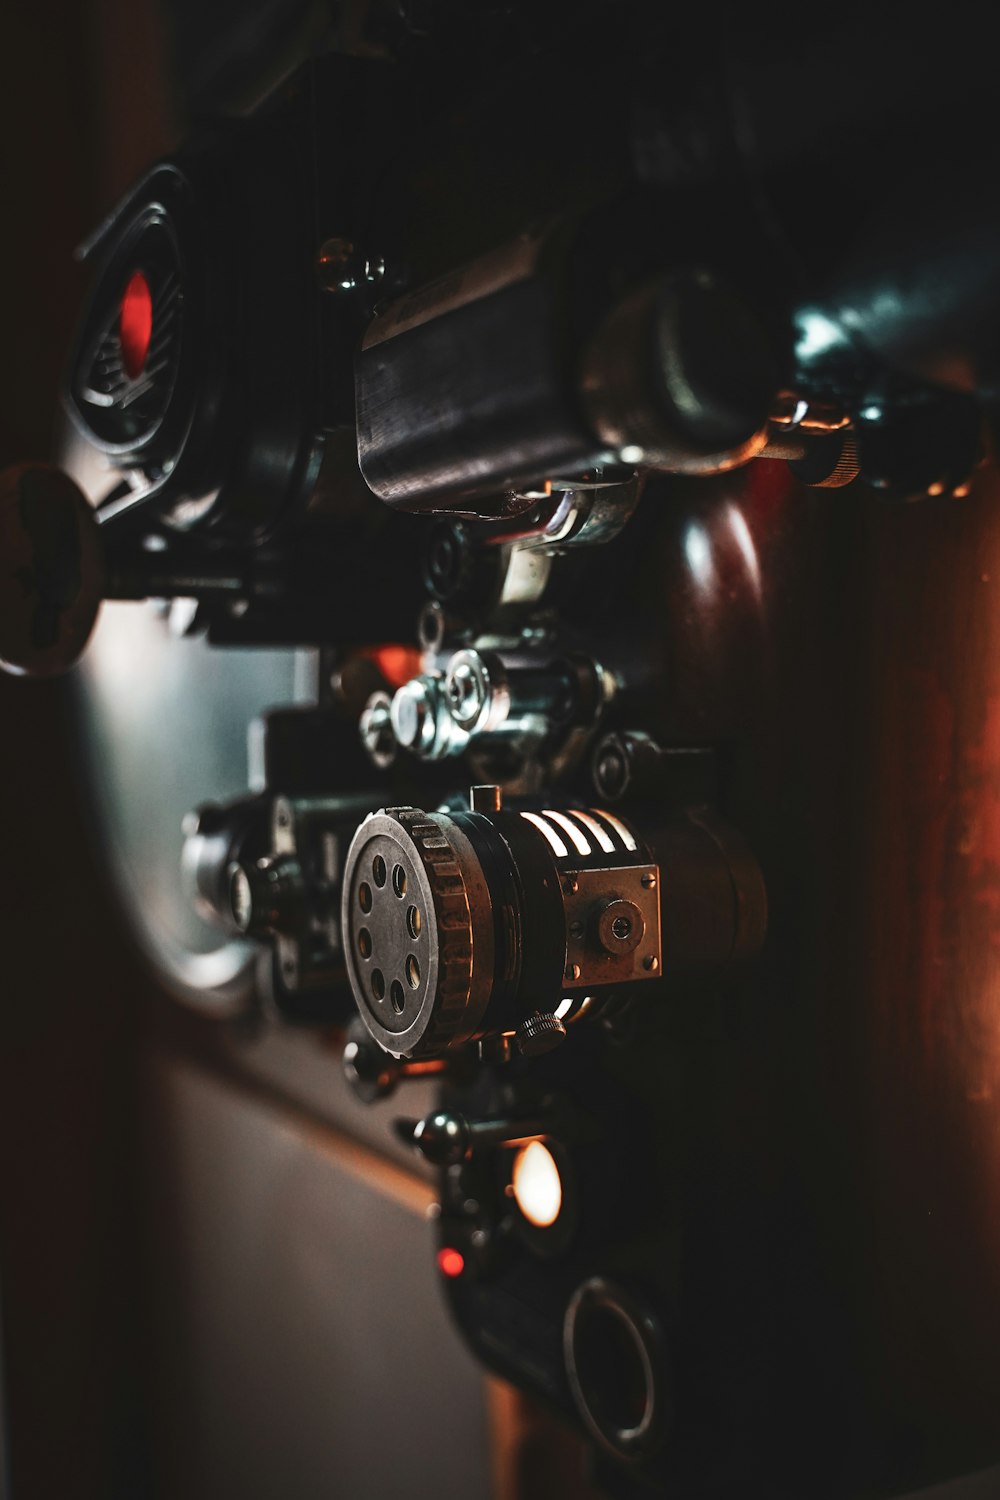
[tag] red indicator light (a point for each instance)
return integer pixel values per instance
(450, 1262)
(396, 663)
(135, 324)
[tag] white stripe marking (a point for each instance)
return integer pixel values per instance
(551, 837)
(625, 834)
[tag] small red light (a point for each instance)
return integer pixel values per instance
(396, 663)
(135, 324)
(450, 1262)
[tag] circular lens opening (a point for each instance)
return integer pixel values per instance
(378, 984)
(399, 880)
(412, 972)
(612, 1370)
(413, 922)
(396, 996)
(621, 927)
(365, 943)
(378, 871)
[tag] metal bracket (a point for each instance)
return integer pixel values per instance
(612, 925)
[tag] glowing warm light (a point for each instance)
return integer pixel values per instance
(398, 664)
(135, 324)
(451, 1262)
(537, 1185)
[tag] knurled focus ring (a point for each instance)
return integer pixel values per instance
(408, 930)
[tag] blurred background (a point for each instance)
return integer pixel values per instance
(196, 1252)
(215, 1274)
(80, 111)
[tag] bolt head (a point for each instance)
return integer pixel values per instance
(573, 971)
(651, 963)
(620, 927)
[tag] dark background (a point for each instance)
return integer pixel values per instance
(84, 108)
(81, 111)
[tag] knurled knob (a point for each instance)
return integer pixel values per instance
(538, 1033)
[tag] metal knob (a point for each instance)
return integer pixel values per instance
(539, 1033)
(443, 1138)
(265, 895)
(51, 571)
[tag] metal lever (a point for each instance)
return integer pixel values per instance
(444, 1139)
(374, 1074)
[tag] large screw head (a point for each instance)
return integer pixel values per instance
(477, 691)
(467, 688)
(620, 927)
(412, 715)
